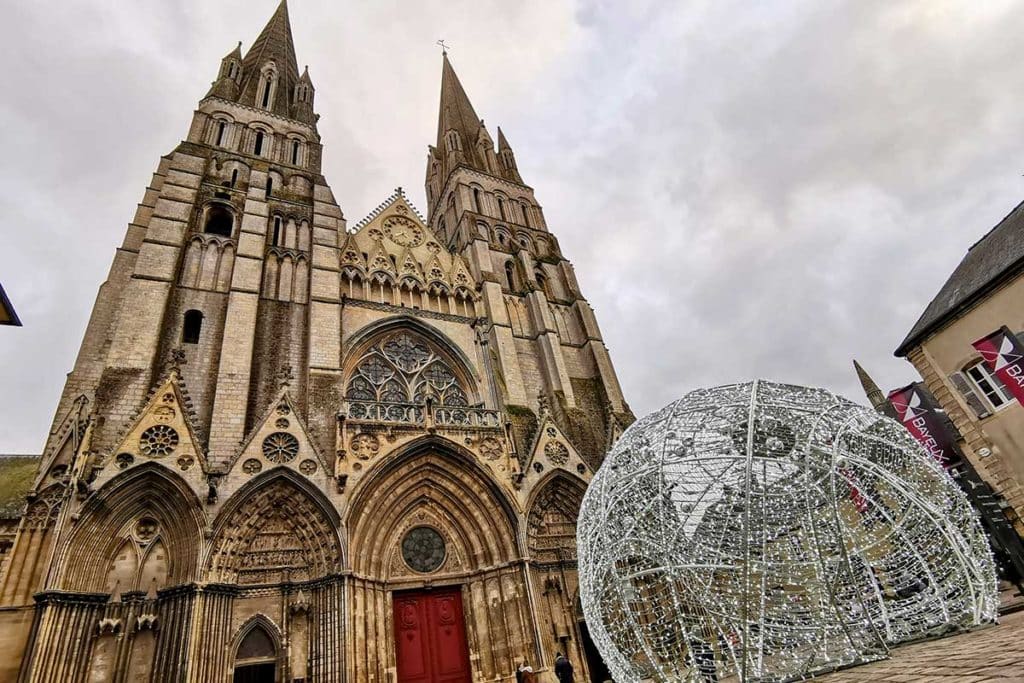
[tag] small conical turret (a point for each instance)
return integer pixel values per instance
(304, 91)
(226, 85)
(878, 400)
(507, 159)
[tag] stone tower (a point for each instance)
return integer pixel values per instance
(291, 451)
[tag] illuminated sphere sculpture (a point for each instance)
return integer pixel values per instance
(767, 531)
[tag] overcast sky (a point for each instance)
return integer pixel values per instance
(745, 189)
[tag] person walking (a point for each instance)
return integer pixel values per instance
(563, 668)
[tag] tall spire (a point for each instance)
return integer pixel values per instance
(273, 45)
(457, 114)
(878, 400)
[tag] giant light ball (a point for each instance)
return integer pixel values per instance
(765, 531)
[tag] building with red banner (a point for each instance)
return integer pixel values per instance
(965, 347)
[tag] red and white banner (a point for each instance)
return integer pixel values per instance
(1004, 356)
(919, 414)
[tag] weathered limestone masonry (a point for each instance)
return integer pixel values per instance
(289, 451)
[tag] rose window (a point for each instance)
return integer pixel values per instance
(280, 447)
(556, 452)
(158, 441)
(423, 549)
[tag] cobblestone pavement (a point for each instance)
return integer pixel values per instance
(995, 653)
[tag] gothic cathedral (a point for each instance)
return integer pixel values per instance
(290, 450)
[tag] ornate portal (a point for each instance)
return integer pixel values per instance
(770, 531)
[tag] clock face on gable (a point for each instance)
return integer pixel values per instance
(403, 231)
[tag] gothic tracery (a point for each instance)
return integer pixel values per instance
(404, 368)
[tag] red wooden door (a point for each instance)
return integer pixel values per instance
(430, 637)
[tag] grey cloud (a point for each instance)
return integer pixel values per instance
(745, 190)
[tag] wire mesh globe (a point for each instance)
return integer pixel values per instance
(766, 531)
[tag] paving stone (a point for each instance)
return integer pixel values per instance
(987, 654)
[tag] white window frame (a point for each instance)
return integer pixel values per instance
(979, 375)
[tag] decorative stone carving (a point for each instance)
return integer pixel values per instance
(364, 446)
(158, 441)
(282, 423)
(123, 460)
(557, 452)
(252, 466)
(551, 524)
(146, 622)
(277, 535)
(308, 466)
(490, 448)
(403, 231)
(280, 447)
(185, 462)
(423, 549)
(164, 413)
(109, 626)
(146, 529)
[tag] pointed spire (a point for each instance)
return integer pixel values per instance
(305, 76)
(878, 400)
(456, 113)
(502, 142)
(507, 159)
(274, 42)
(236, 53)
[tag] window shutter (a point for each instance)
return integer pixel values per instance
(972, 398)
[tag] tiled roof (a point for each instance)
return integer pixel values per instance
(995, 256)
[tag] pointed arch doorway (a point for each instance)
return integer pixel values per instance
(430, 637)
(256, 658)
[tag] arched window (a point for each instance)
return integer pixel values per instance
(267, 84)
(526, 215)
(256, 659)
(270, 185)
(404, 368)
(257, 148)
(501, 208)
(295, 152)
(277, 232)
(219, 221)
(477, 206)
(542, 282)
(220, 132)
(192, 327)
(510, 275)
(234, 177)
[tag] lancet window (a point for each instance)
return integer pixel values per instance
(403, 368)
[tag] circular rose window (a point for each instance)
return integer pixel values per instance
(423, 549)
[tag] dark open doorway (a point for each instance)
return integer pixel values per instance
(598, 671)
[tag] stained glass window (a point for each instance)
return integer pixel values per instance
(403, 368)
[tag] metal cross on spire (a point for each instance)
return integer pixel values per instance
(444, 48)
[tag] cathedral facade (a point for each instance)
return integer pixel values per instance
(291, 450)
